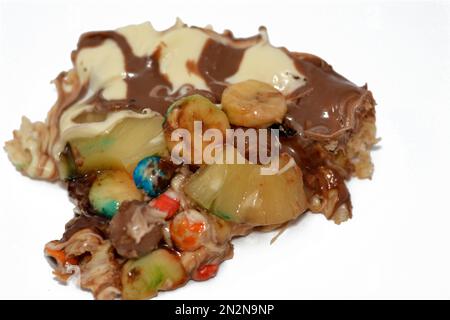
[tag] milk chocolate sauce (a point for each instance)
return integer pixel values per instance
(218, 62)
(326, 108)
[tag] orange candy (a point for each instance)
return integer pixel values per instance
(187, 230)
(60, 256)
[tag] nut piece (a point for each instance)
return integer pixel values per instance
(253, 104)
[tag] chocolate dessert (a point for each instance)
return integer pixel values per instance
(145, 223)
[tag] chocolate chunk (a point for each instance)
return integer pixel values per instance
(96, 223)
(134, 231)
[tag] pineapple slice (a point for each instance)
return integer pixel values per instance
(205, 186)
(239, 193)
(121, 148)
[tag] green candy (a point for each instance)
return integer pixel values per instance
(158, 270)
(106, 207)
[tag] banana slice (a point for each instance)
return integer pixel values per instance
(253, 104)
(183, 113)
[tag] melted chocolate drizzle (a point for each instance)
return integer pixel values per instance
(218, 62)
(147, 87)
(325, 108)
(319, 178)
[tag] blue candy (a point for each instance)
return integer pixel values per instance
(149, 176)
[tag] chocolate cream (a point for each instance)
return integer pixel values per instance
(137, 71)
(324, 107)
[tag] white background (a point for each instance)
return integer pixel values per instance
(397, 244)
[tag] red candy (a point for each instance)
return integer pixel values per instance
(205, 272)
(166, 202)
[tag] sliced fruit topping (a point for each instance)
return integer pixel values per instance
(188, 230)
(121, 148)
(110, 189)
(239, 193)
(182, 115)
(153, 174)
(206, 184)
(144, 277)
(253, 104)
